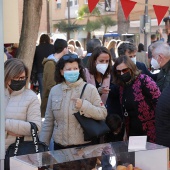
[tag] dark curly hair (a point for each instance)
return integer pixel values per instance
(60, 65)
(124, 46)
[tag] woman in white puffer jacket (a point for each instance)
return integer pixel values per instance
(21, 104)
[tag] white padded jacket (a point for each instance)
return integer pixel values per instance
(21, 107)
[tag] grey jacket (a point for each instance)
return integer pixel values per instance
(21, 107)
(59, 118)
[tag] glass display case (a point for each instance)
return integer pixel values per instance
(109, 156)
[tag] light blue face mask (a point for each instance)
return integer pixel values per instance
(71, 76)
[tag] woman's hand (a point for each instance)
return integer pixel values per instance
(103, 90)
(13, 134)
(78, 103)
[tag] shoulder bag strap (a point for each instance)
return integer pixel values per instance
(18, 140)
(34, 135)
(83, 90)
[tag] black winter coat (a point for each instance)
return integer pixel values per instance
(162, 118)
(42, 51)
(163, 78)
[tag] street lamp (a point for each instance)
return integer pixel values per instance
(146, 25)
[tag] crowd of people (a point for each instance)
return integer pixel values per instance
(121, 89)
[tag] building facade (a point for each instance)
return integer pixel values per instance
(59, 12)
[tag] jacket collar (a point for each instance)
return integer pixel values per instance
(72, 85)
(166, 67)
(14, 93)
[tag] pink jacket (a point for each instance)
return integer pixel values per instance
(106, 83)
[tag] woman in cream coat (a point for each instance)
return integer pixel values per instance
(64, 100)
(21, 104)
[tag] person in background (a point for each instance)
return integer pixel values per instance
(6, 55)
(51, 41)
(64, 100)
(72, 42)
(79, 49)
(90, 46)
(162, 118)
(43, 50)
(138, 96)
(129, 49)
(111, 46)
(161, 59)
(141, 55)
(21, 104)
(71, 49)
(49, 63)
(115, 124)
(167, 28)
(154, 38)
(98, 71)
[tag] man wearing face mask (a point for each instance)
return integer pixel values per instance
(161, 59)
(130, 50)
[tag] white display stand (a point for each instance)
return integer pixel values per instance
(155, 157)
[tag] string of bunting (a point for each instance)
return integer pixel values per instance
(128, 5)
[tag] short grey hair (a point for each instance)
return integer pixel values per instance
(160, 47)
(13, 68)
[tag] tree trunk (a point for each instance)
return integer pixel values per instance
(88, 36)
(29, 31)
(123, 24)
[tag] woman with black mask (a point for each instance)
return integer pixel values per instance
(21, 104)
(138, 96)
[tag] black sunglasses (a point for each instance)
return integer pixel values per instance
(125, 70)
(69, 56)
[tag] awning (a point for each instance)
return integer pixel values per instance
(111, 35)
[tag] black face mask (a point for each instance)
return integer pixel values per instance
(125, 77)
(17, 85)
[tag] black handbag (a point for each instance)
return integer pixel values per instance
(92, 128)
(21, 147)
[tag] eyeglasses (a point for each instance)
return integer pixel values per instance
(125, 70)
(155, 56)
(20, 78)
(69, 56)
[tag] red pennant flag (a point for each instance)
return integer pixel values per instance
(127, 7)
(160, 12)
(92, 4)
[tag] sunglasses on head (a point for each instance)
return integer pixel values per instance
(125, 70)
(69, 56)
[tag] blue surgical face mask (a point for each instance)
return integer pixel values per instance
(71, 76)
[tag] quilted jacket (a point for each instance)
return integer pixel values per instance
(59, 118)
(21, 107)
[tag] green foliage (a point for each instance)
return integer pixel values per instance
(84, 11)
(107, 22)
(63, 26)
(92, 25)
